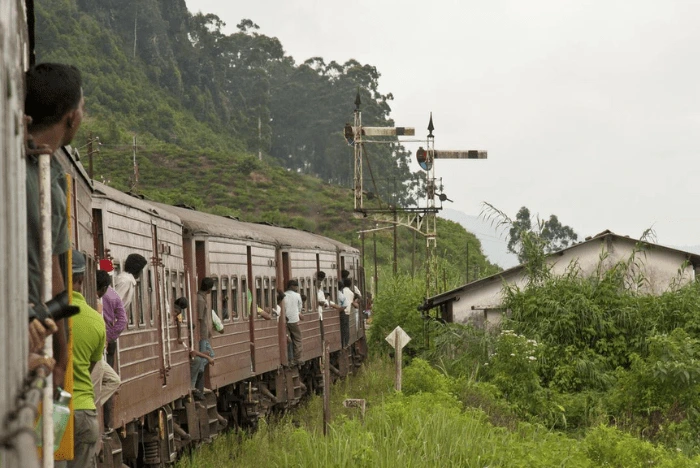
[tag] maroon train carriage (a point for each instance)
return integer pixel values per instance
(153, 366)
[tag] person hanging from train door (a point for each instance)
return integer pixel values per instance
(89, 340)
(105, 379)
(292, 310)
(54, 105)
(204, 320)
(180, 305)
(351, 304)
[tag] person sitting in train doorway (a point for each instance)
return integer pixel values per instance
(54, 103)
(351, 303)
(89, 339)
(105, 380)
(292, 310)
(204, 320)
(181, 304)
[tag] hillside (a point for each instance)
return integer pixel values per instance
(201, 105)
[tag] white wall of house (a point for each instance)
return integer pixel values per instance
(662, 269)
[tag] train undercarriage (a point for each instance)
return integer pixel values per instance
(158, 438)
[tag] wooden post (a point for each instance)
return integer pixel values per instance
(398, 348)
(325, 364)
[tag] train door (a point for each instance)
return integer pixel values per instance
(286, 270)
(160, 321)
(252, 305)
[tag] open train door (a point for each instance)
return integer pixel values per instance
(161, 322)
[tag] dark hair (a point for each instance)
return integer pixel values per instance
(207, 284)
(347, 282)
(280, 296)
(135, 263)
(320, 275)
(344, 274)
(303, 298)
(181, 303)
(103, 279)
(53, 90)
(292, 282)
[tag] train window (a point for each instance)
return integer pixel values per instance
(258, 293)
(215, 295)
(181, 289)
(225, 315)
(174, 291)
(247, 297)
(137, 302)
(309, 297)
(234, 297)
(266, 292)
(146, 300)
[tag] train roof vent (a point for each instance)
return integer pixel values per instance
(235, 218)
(185, 206)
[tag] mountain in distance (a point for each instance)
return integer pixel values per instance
(494, 240)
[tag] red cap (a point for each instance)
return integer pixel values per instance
(106, 265)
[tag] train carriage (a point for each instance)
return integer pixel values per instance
(153, 366)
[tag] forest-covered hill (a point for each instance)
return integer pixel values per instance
(202, 105)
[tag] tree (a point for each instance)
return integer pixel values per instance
(551, 234)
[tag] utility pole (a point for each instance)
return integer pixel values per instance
(466, 280)
(135, 177)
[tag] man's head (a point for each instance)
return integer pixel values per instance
(181, 303)
(344, 274)
(104, 281)
(207, 284)
(135, 264)
(292, 285)
(78, 269)
(54, 97)
(320, 276)
(347, 283)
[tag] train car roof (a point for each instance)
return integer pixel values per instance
(296, 238)
(198, 222)
(105, 191)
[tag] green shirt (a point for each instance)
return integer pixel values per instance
(89, 337)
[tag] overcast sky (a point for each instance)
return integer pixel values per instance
(588, 109)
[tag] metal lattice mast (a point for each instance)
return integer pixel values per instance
(430, 215)
(357, 139)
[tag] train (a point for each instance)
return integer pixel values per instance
(155, 415)
(249, 263)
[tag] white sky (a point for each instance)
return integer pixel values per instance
(589, 109)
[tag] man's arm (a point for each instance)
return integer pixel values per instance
(119, 317)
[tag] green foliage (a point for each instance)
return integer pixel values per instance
(420, 377)
(396, 305)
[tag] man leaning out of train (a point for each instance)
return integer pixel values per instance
(89, 338)
(54, 107)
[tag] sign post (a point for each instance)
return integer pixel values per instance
(398, 339)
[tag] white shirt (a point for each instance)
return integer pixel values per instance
(322, 302)
(124, 285)
(349, 297)
(292, 306)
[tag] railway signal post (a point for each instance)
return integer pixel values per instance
(421, 219)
